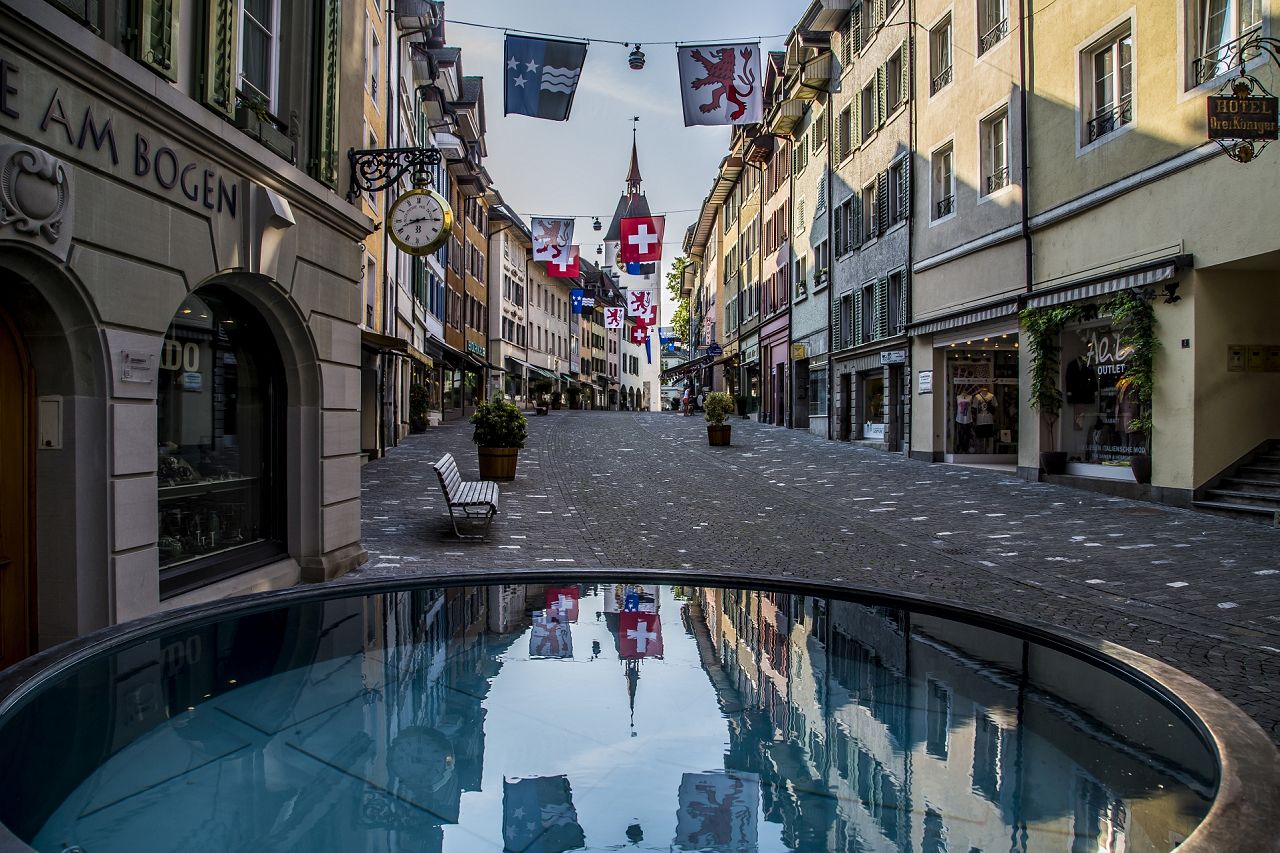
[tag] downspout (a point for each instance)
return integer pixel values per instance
(1025, 146)
(909, 277)
(831, 268)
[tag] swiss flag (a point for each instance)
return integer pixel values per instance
(566, 266)
(565, 600)
(639, 334)
(639, 635)
(641, 238)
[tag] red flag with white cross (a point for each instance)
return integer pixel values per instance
(641, 238)
(565, 266)
(639, 334)
(639, 635)
(565, 600)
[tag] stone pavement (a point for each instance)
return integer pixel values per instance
(622, 489)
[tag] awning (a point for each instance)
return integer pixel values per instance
(964, 318)
(567, 378)
(682, 370)
(420, 356)
(1166, 270)
(725, 359)
(383, 343)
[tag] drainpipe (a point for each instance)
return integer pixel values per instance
(909, 278)
(831, 269)
(1025, 147)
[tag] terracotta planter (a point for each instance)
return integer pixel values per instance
(498, 463)
(718, 434)
(1054, 462)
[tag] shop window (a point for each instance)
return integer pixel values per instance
(1108, 85)
(818, 393)
(220, 405)
(1095, 424)
(982, 402)
(873, 407)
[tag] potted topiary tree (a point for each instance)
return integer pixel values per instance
(715, 409)
(500, 432)
(418, 405)
(556, 398)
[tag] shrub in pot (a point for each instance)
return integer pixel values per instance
(556, 397)
(418, 408)
(500, 431)
(717, 406)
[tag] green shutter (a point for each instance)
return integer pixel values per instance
(905, 61)
(881, 300)
(855, 27)
(158, 35)
(837, 341)
(902, 302)
(218, 89)
(855, 224)
(882, 202)
(857, 318)
(855, 126)
(882, 108)
(323, 163)
(904, 187)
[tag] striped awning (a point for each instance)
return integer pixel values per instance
(1126, 280)
(682, 370)
(966, 318)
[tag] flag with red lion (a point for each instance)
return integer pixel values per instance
(721, 83)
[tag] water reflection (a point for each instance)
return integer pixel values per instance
(613, 716)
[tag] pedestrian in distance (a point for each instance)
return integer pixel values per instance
(684, 401)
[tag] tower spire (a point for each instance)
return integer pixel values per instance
(633, 174)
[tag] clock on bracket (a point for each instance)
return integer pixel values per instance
(420, 221)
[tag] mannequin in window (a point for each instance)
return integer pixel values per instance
(984, 417)
(1081, 386)
(964, 420)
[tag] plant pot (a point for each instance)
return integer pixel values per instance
(718, 434)
(1140, 465)
(498, 463)
(1054, 462)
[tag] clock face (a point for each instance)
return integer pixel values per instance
(420, 221)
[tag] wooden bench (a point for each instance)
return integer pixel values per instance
(475, 501)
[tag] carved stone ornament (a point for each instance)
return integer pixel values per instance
(35, 198)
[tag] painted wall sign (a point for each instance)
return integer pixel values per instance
(76, 123)
(1247, 117)
(799, 352)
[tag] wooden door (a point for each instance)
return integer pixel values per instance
(16, 463)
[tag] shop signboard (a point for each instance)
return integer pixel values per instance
(926, 382)
(714, 350)
(873, 431)
(894, 357)
(1246, 117)
(799, 352)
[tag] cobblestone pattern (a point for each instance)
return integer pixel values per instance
(607, 489)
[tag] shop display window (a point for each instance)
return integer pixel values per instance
(1096, 414)
(982, 401)
(220, 419)
(873, 412)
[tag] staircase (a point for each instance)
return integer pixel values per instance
(1248, 490)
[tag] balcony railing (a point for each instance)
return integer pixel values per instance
(1222, 58)
(945, 207)
(1108, 120)
(941, 80)
(998, 179)
(993, 36)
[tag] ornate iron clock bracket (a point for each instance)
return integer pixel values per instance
(376, 169)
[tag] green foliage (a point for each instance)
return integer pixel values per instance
(717, 406)
(1042, 328)
(680, 317)
(541, 386)
(1134, 319)
(418, 404)
(556, 397)
(499, 423)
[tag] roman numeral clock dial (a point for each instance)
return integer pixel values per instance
(420, 221)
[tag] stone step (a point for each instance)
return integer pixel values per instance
(1260, 472)
(1244, 496)
(1266, 487)
(1245, 512)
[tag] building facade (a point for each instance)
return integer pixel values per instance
(180, 311)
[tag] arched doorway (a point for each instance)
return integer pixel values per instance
(17, 444)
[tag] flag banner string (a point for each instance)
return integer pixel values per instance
(518, 31)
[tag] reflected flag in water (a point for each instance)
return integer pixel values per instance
(538, 816)
(550, 636)
(639, 635)
(564, 599)
(718, 812)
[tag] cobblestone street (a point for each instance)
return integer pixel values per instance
(605, 489)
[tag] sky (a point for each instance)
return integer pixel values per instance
(579, 167)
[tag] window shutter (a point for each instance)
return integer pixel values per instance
(219, 84)
(839, 235)
(324, 157)
(836, 329)
(882, 109)
(820, 205)
(882, 202)
(905, 63)
(881, 300)
(855, 27)
(902, 302)
(882, 11)
(857, 319)
(855, 127)
(904, 188)
(855, 223)
(158, 35)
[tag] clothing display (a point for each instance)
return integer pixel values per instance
(982, 389)
(984, 410)
(964, 404)
(1081, 382)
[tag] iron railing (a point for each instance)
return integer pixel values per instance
(998, 179)
(993, 36)
(945, 207)
(1222, 58)
(1108, 120)
(941, 80)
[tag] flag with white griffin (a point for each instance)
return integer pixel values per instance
(541, 76)
(721, 83)
(551, 237)
(639, 302)
(613, 318)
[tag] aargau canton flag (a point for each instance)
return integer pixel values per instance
(541, 75)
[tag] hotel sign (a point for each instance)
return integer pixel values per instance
(1242, 117)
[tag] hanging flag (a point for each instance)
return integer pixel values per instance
(565, 600)
(640, 635)
(718, 811)
(641, 238)
(538, 815)
(541, 76)
(566, 266)
(720, 83)
(633, 267)
(639, 334)
(636, 597)
(648, 351)
(588, 301)
(613, 318)
(575, 300)
(550, 636)
(551, 238)
(639, 302)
